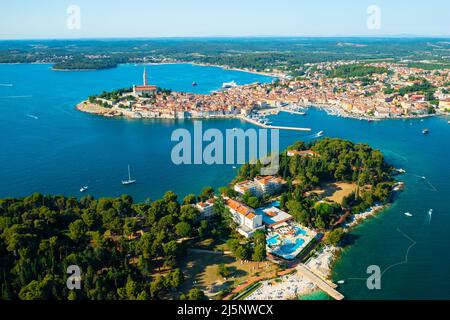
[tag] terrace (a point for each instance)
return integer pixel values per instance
(285, 238)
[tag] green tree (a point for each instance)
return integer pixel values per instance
(196, 294)
(334, 237)
(190, 199)
(183, 229)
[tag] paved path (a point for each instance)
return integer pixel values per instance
(321, 283)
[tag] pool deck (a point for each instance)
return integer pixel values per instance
(276, 240)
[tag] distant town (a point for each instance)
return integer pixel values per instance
(368, 91)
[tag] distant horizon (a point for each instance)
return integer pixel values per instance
(393, 36)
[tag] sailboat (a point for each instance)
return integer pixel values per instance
(129, 181)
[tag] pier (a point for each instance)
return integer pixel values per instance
(300, 113)
(265, 126)
(325, 286)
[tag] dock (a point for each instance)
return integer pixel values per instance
(265, 126)
(326, 286)
(300, 113)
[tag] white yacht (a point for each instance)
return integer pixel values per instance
(229, 85)
(129, 181)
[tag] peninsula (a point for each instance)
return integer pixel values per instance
(371, 91)
(239, 242)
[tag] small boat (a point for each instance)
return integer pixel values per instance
(32, 116)
(229, 85)
(320, 133)
(129, 181)
(194, 84)
(234, 167)
(400, 170)
(426, 131)
(341, 282)
(430, 212)
(448, 122)
(408, 214)
(83, 189)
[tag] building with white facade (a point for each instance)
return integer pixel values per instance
(260, 186)
(248, 221)
(206, 208)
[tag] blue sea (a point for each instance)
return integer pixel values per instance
(48, 146)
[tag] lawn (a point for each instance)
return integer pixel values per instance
(336, 191)
(201, 271)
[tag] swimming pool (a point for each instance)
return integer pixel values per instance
(300, 231)
(288, 247)
(274, 240)
(275, 204)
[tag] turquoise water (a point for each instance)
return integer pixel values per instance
(274, 240)
(316, 295)
(59, 149)
(275, 204)
(300, 231)
(289, 247)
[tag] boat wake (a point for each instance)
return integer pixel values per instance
(16, 97)
(403, 262)
(315, 136)
(32, 117)
(432, 187)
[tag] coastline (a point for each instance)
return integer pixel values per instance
(324, 261)
(115, 112)
(224, 67)
(293, 286)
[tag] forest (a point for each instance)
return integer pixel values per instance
(132, 251)
(290, 54)
(336, 160)
(125, 251)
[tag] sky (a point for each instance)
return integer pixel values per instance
(49, 19)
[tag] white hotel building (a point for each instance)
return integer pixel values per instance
(245, 217)
(260, 186)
